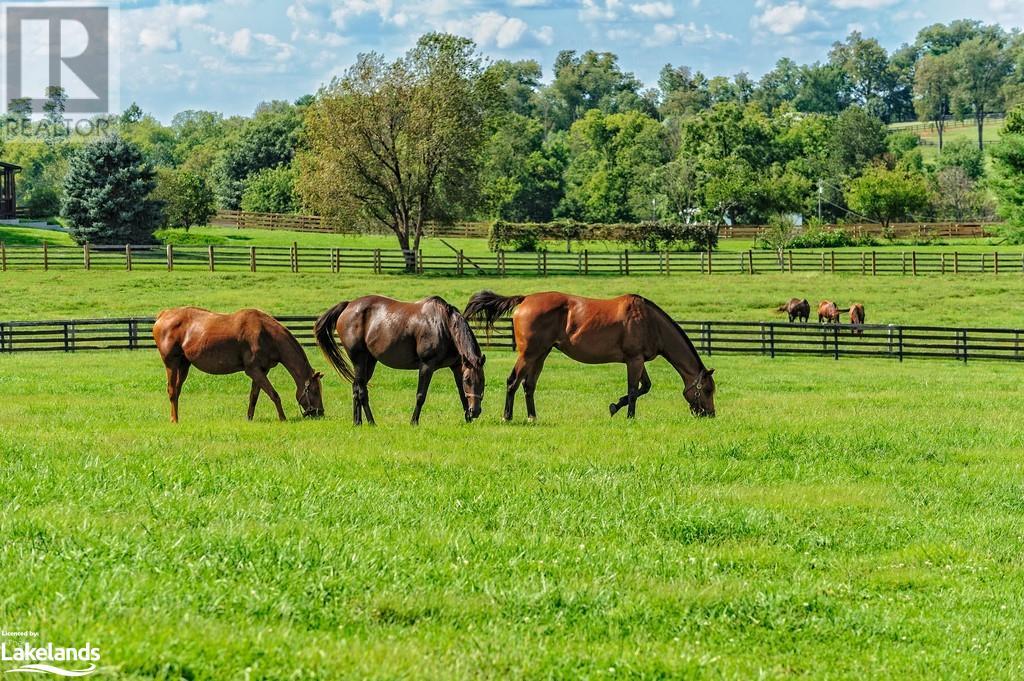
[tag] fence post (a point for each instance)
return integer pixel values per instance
(963, 336)
(211, 258)
(67, 337)
(702, 262)
(709, 261)
(133, 334)
(863, 263)
(750, 260)
(376, 261)
(835, 341)
(900, 337)
(419, 260)
(771, 338)
(625, 260)
(460, 267)
(46, 257)
(170, 257)
(705, 336)
(903, 263)
(128, 257)
(874, 263)
(913, 261)
(668, 262)
(252, 258)
(995, 261)
(943, 259)
(586, 261)
(86, 255)
(790, 254)
(956, 262)
(832, 258)
(295, 256)
(545, 254)
(3, 256)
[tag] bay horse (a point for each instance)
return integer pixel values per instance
(425, 336)
(629, 329)
(247, 340)
(857, 318)
(796, 309)
(828, 312)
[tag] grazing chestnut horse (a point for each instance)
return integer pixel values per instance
(857, 318)
(828, 312)
(629, 329)
(248, 340)
(426, 336)
(796, 309)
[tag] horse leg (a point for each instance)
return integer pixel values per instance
(532, 371)
(426, 374)
(259, 377)
(365, 375)
(645, 387)
(634, 371)
(254, 394)
(176, 376)
(511, 386)
(457, 372)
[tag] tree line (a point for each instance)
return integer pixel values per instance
(442, 134)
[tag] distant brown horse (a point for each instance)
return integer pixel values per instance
(426, 336)
(628, 329)
(796, 309)
(857, 318)
(828, 312)
(248, 340)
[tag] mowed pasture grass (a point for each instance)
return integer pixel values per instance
(964, 300)
(852, 519)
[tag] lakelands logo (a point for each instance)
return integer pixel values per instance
(39, 659)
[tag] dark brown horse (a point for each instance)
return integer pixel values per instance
(628, 329)
(796, 309)
(426, 336)
(248, 340)
(857, 318)
(828, 312)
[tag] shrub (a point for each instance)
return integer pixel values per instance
(107, 194)
(647, 236)
(271, 190)
(187, 199)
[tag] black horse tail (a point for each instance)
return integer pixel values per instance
(489, 306)
(324, 332)
(782, 308)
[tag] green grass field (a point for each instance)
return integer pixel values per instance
(852, 519)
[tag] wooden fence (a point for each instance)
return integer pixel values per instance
(771, 339)
(586, 262)
(313, 223)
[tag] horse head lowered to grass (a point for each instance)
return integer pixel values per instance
(629, 329)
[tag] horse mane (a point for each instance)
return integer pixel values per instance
(682, 334)
(457, 329)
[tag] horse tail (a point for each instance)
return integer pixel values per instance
(782, 308)
(489, 306)
(324, 332)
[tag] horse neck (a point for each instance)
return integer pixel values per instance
(293, 358)
(679, 351)
(463, 340)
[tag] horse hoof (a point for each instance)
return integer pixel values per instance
(531, 419)
(613, 408)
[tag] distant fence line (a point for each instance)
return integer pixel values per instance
(771, 339)
(313, 223)
(544, 263)
(951, 123)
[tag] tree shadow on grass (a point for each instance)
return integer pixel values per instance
(22, 236)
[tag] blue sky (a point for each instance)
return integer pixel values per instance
(228, 55)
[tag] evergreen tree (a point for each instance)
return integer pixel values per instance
(106, 194)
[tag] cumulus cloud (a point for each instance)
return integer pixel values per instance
(489, 28)
(689, 33)
(600, 10)
(784, 19)
(158, 29)
(245, 44)
(654, 10)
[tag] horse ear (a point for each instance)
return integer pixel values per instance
(318, 375)
(711, 372)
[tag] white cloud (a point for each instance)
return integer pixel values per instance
(654, 10)
(158, 29)
(489, 28)
(863, 4)
(783, 19)
(1009, 12)
(244, 44)
(545, 35)
(600, 10)
(690, 33)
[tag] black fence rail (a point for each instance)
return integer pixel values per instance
(772, 339)
(501, 263)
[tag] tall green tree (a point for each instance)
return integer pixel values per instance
(107, 194)
(982, 66)
(887, 195)
(399, 143)
(934, 86)
(187, 199)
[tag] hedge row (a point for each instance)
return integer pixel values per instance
(645, 236)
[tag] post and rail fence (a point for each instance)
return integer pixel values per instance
(297, 258)
(770, 339)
